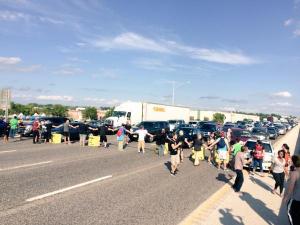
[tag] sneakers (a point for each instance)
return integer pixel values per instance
(172, 174)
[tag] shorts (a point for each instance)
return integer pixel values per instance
(141, 144)
(67, 134)
(82, 136)
(175, 159)
(222, 155)
(103, 138)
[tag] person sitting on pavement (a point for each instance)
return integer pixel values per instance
(222, 150)
(258, 157)
(292, 194)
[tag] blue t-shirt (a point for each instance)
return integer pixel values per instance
(121, 137)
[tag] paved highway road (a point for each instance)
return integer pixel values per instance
(61, 184)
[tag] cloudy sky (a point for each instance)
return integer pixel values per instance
(231, 55)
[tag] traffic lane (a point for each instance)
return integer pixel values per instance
(32, 153)
(20, 184)
(149, 196)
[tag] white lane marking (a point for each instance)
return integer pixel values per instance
(67, 189)
(7, 151)
(25, 165)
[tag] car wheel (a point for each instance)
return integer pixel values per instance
(151, 139)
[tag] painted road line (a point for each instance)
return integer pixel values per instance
(25, 165)
(67, 189)
(1, 152)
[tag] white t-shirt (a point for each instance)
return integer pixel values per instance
(142, 134)
(278, 166)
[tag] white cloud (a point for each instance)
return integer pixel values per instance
(129, 41)
(9, 60)
(135, 41)
(281, 104)
(13, 16)
(282, 94)
(55, 98)
(297, 32)
(69, 70)
(288, 22)
(28, 69)
(97, 100)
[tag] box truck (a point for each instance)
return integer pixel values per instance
(136, 112)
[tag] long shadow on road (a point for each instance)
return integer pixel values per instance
(260, 208)
(229, 219)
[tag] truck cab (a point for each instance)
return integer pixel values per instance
(118, 118)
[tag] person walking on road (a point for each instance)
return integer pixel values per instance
(222, 150)
(13, 123)
(160, 142)
(239, 163)
(258, 157)
(292, 195)
(141, 139)
(278, 171)
(174, 152)
(35, 131)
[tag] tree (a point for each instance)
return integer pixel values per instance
(219, 117)
(90, 113)
(109, 112)
(58, 110)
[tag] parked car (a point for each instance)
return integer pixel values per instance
(55, 121)
(193, 123)
(257, 124)
(207, 128)
(269, 153)
(241, 134)
(175, 123)
(273, 134)
(227, 126)
(260, 133)
(281, 128)
(153, 127)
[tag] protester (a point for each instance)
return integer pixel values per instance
(183, 140)
(258, 157)
(161, 141)
(21, 127)
(239, 163)
(292, 194)
(35, 131)
(222, 150)
(47, 134)
(199, 148)
(103, 130)
(127, 127)
(13, 123)
(1, 126)
(173, 148)
(66, 131)
(229, 134)
(83, 131)
(211, 152)
(287, 158)
(6, 129)
(141, 139)
(278, 168)
(121, 137)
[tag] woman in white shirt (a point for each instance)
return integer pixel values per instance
(278, 172)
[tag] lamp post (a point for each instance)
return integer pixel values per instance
(174, 87)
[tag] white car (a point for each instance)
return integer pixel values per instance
(269, 153)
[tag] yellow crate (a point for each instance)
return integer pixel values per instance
(94, 141)
(56, 138)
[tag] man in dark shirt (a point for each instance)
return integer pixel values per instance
(127, 127)
(83, 131)
(102, 131)
(160, 142)
(48, 126)
(174, 152)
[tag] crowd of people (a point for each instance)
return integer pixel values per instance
(217, 149)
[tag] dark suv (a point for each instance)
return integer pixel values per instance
(208, 128)
(153, 127)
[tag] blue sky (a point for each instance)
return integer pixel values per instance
(226, 55)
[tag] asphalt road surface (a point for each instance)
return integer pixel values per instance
(68, 184)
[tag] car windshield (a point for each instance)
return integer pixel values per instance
(258, 131)
(251, 146)
(246, 133)
(271, 131)
(208, 127)
(147, 125)
(172, 121)
(118, 113)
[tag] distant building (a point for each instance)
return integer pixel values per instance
(77, 114)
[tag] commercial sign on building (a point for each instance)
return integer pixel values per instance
(5, 97)
(158, 109)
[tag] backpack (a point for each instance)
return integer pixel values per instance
(221, 143)
(120, 132)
